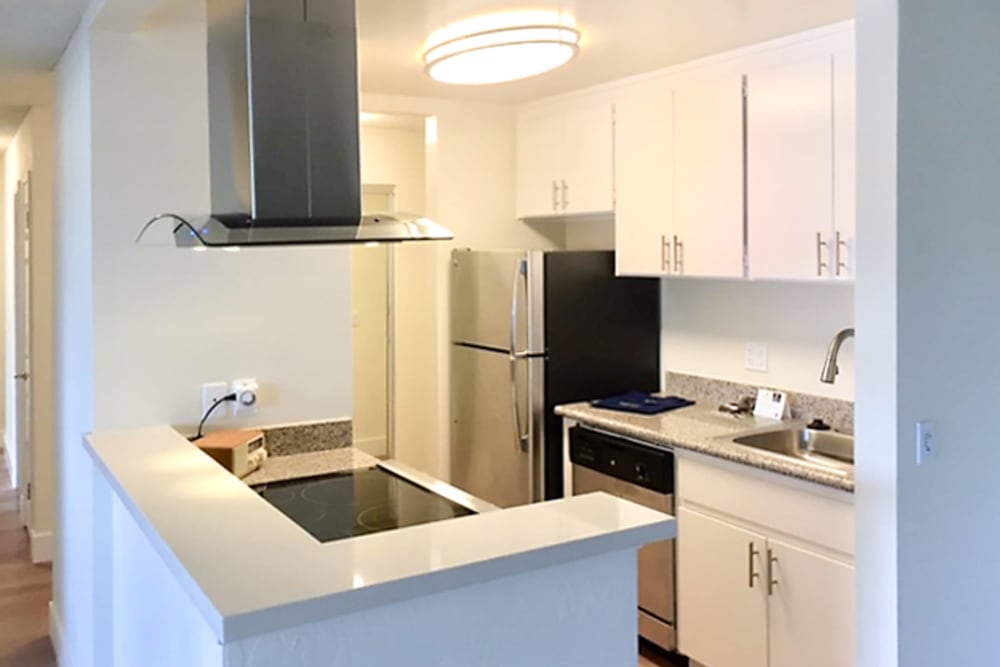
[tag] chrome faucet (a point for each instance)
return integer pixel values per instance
(830, 369)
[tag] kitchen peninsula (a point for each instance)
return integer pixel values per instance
(193, 567)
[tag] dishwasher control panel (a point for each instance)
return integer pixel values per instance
(647, 467)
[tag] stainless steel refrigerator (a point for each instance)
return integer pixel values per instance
(532, 330)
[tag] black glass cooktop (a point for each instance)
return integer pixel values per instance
(358, 502)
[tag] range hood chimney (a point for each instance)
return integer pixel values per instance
(284, 131)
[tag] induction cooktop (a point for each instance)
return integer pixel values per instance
(340, 505)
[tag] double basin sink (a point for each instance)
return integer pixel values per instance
(825, 450)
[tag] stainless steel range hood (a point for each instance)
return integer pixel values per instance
(284, 132)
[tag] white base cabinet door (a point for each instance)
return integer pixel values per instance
(721, 593)
(811, 612)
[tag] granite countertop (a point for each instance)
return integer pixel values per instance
(309, 464)
(701, 430)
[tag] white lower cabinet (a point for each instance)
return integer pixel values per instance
(755, 588)
(721, 601)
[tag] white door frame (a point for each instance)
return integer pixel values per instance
(20, 384)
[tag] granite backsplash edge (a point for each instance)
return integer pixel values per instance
(289, 439)
(836, 412)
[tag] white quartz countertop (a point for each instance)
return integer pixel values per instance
(262, 572)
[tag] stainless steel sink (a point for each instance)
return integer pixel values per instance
(826, 449)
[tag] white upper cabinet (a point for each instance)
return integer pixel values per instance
(679, 176)
(707, 219)
(790, 169)
(801, 162)
(564, 159)
(844, 161)
(644, 176)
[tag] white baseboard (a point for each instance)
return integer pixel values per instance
(43, 545)
(56, 635)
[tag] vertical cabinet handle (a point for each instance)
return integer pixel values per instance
(565, 195)
(772, 560)
(678, 256)
(841, 264)
(821, 246)
(752, 553)
(555, 196)
(664, 254)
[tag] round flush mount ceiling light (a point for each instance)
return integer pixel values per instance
(501, 47)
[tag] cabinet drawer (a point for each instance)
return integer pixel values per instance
(767, 500)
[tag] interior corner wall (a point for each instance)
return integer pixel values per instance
(167, 320)
(707, 323)
(878, 391)
(73, 618)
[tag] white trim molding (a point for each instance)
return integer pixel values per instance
(7, 460)
(42, 545)
(56, 635)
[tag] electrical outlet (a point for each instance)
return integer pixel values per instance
(756, 357)
(210, 393)
(247, 400)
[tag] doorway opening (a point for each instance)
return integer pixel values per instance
(20, 415)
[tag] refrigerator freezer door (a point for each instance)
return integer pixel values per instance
(489, 459)
(490, 299)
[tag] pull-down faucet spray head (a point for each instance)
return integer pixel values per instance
(830, 370)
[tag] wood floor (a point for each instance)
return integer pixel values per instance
(25, 591)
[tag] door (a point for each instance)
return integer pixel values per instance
(491, 455)
(811, 610)
(708, 177)
(790, 170)
(539, 142)
(587, 178)
(644, 161)
(721, 593)
(22, 348)
(486, 289)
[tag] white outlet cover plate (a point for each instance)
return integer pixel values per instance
(211, 392)
(756, 357)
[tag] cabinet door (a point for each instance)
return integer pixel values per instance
(844, 161)
(708, 176)
(587, 178)
(812, 609)
(790, 170)
(721, 617)
(643, 178)
(539, 141)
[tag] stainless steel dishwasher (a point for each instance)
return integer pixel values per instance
(643, 475)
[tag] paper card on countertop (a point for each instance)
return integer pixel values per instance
(771, 404)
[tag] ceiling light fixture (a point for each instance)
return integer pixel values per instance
(501, 47)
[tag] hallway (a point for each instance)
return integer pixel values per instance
(25, 591)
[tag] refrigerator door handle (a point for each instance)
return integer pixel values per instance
(520, 272)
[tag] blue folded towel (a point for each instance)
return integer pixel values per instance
(642, 403)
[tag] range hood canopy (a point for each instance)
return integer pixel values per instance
(284, 133)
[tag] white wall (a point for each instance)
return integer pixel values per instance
(72, 572)
(707, 323)
(876, 429)
(165, 320)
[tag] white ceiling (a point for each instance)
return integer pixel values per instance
(620, 38)
(33, 33)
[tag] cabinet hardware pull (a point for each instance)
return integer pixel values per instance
(565, 197)
(772, 560)
(664, 254)
(555, 195)
(678, 256)
(751, 554)
(841, 264)
(821, 245)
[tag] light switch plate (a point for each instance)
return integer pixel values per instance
(756, 357)
(926, 441)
